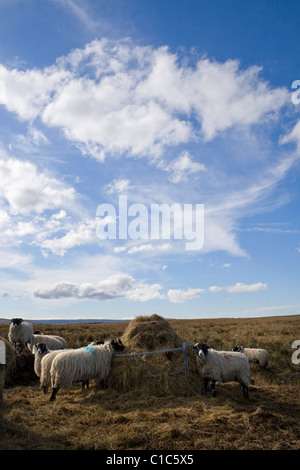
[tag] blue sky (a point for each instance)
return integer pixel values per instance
(161, 102)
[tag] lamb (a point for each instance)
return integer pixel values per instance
(221, 366)
(51, 341)
(83, 364)
(20, 333)
(260, 356)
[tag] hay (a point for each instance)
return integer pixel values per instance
(153, 373)
(149, 334)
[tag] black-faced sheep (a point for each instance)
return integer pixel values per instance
(260, 356)
(221, 366)
(20, 333)
(83, 364)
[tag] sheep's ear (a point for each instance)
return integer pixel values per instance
(195, 346)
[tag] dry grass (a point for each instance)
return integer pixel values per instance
(158, 418)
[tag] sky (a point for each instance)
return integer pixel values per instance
(149, 158)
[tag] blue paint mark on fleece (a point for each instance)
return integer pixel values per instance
(90, 349)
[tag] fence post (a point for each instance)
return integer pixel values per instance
(2, 352)
(185, 361)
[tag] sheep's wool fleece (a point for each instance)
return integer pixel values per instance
(21, 333)
(224, 366)
(46, 363)
(81, 364)
(260, 355)
(50, 341)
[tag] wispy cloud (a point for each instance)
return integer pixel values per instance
(80, 10)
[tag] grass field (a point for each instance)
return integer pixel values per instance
(157, 419)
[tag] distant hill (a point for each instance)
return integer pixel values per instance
(60, 322)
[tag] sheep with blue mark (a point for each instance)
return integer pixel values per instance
(221, 366)
(46, 358)
(83, 364)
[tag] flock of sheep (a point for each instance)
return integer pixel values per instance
(59, 367)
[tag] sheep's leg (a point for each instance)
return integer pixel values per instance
(45, 389)
(213, 388)
(54, 393)
(104, 384)
(85, 383)
(205, 385)
(245, 391)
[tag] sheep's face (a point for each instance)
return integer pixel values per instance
(41, 348)
(201, 349)
(237, 348)
(16, 321)
(117, 344)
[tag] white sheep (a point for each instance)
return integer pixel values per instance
(260, 356)
(221, 366)
(61, 339)
(20, 333)
(46, 362)
(51, 342)
(40, 350)
(83, 364)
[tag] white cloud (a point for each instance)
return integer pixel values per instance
(182, 167)
(149, 247)
(214, 289)
(116, 286)
(180, 296)
(27, 92)
(293, 136)
(119, 186)
(139, 100)
(240, 287)
(119, 249)
(83, 233)
(26, 189)
(144, 293)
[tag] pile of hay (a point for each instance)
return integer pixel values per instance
(153, 373)
(146, 333)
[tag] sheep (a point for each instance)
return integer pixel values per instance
(46, 362)
(52, 342)
(260, 356)
(20, 333)
(221, 366)
(61, 339)
(83, 364)
(40, 350)
(45, 366)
